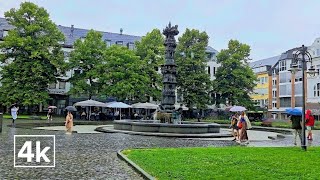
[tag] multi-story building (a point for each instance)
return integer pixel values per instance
(58, 91)
(260, 92)
(286, 88)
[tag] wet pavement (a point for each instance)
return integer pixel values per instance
(93, 156)
(86, 156)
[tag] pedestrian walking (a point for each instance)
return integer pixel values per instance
(296, 126)
(309, 124)
(243, 125)
(234, 127)
(14, 113)
(49, 115)
(69, 122)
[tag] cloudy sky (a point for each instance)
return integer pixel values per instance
(270, 27)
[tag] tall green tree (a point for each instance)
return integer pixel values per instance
(87, 56)
(193, 81)
(234, 78)
(123, 75)
(151, 51)
(32, 56)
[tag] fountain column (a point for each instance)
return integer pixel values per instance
(169, 69)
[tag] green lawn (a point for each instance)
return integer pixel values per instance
(22, 117)
(229, 163)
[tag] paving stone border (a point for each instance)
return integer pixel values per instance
(32, 125)
(107, 129)
(137, 168)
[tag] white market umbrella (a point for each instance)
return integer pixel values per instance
(145, 105)
(90, 103)
(119, 105)
(237, 109)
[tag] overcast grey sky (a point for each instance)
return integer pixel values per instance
(270, 27)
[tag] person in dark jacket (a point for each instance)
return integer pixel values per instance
(296, 126)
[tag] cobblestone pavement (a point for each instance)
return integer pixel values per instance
(86, 156)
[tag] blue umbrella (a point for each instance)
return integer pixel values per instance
(294, 111)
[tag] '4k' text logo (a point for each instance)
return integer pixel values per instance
(40, 155)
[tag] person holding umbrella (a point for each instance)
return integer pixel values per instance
(296, 126)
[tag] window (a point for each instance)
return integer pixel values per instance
(318, 52)
(282, 65)
(108, 42)
(214, 70)
(209, 56)
(316, 90)
(52, 86)
(263, 80)
(130, 45)
(274, 93)
(274, 82)
(62, 85)
(119, 43)
(66, 54)
(274, 105)
(209, 70)
(77, 71)
(5, 33)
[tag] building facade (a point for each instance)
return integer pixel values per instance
(260, 93)
(286, 88)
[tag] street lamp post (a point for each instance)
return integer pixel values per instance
(302, 55)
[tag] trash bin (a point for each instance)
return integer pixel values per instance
(1, 119)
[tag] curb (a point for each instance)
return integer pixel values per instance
(138, 169)
(269, 129)
(103, 130)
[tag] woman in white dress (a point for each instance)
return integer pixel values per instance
(14, 113)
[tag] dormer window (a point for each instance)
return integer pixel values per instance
(108, 42)
(5, 33)
(119, 43)
(82, 39)
(130, 45)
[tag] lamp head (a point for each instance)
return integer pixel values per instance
(312, 71)
(294, 68)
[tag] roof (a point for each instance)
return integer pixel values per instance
(4, 25)
(288, 54)
(210, 49)
(70, 38)
(264, 62)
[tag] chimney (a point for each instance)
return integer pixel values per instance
(121, 30)
(72, 29)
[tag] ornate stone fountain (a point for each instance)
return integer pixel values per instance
(166, 128)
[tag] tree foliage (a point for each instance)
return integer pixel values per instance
(87, 56)
(151, 51)
(32, 57)
(123, 75)
(234, 78)
(193, 81)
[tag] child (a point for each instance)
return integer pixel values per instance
(309, 123)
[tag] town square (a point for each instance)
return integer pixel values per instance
(149, 90)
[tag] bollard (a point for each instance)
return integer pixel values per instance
(1, 117)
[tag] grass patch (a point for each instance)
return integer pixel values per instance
(229, 163)
(23, 117)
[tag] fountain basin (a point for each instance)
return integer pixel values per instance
(155, 126)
